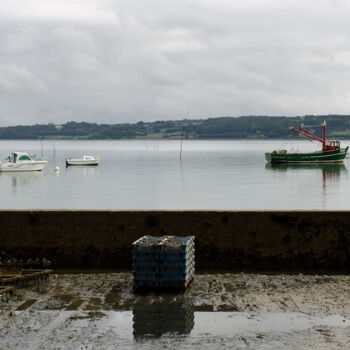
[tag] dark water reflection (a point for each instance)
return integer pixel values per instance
(326, 168)
(328, 172)
(156, 317)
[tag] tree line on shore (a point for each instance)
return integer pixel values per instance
(211, 128)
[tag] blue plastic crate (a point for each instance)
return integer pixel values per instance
(165, 249)
(175, 276)
(176, 268)
(146, 275)
(147, 244)
(177, 262)
(146, 269)
(175, 256)
(145, 283)
(175, 283)
(173, 267)
(163, 261)
(143, 258)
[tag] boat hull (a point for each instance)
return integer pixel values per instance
(336, 156)
(22, 166)
(81, 162)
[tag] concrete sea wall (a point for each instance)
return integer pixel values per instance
(232, 240)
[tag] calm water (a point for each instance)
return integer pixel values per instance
(138, 174)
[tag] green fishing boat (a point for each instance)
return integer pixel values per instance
(331, 151)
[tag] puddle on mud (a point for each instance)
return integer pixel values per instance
(224, 324)
(94, 312)
(152, 325)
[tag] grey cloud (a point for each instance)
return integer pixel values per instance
(125, 61)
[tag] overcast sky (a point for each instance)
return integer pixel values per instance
(127, 60)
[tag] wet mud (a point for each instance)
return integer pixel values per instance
(218, 311)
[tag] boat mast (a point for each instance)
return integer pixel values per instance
(310, 135)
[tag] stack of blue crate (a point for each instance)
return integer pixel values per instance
(163, 262)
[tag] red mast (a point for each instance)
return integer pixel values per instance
(325, 147)
(306, 133)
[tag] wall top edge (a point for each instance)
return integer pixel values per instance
(172, 211)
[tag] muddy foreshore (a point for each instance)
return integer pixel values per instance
(218, 311)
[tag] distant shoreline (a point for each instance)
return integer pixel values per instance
(170, 139)
(222, 128)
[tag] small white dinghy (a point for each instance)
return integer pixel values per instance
(22, 161)
(85, 160)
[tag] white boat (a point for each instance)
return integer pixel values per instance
(22, 161)
(85, 160)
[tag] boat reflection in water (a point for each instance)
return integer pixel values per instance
(85, 170)
(165, 315)
(329, 171)
(19, 180)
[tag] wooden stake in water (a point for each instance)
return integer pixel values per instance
(42, 148)
(182, 138)
(183, 133)
(54, 151)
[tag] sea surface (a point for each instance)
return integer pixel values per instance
(149, 174)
